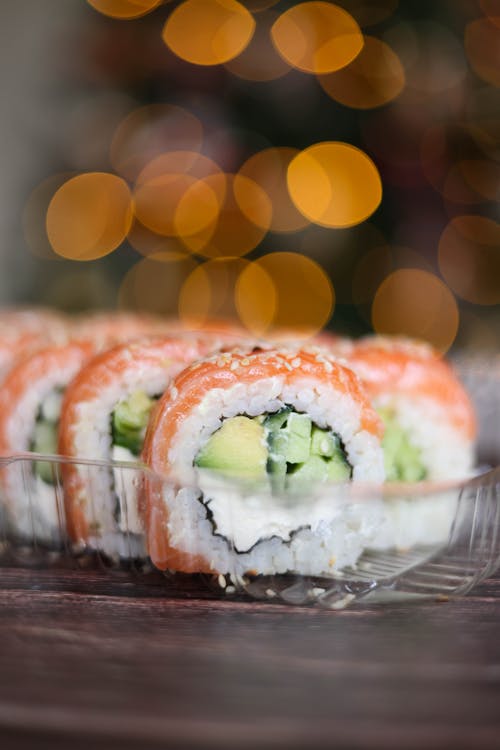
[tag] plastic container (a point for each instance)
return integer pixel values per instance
(391, 542)
(383, 543)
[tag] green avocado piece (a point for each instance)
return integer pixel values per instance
(44, 441)
(237, 449)
(129, 421)
(314, 469)
(299, 429)
(402, 459)
(319, 469)
(339, 470)
(323, 443)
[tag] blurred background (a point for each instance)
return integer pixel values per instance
(308, 164)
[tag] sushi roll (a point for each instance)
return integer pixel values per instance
(104, 416)
(244, 439)
(429, 436)
(429, 420)
(30, 403)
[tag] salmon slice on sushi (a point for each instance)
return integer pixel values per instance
(104, 416)
(243, 439)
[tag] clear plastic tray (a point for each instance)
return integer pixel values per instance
(386, 543)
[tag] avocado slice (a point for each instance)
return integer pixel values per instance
(323, 443)
(44, 441)
(285, 447)
(237, 449)
(319, 469)
(402, 459)
(129, 421)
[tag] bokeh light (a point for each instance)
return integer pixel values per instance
(415, 303)
(146, 132)
(285, 290)
(260, 61)
(35, 215)
(154, 284)
(89, 216)
(161, 186)
(208, 32)
(268, 169)
(372, 79)
(375, 265)
(317, 37)
(469, 258)
(334, 184)
(208, 292)
(124, 8)
(482, 46)
(241, 221)
(147, 242)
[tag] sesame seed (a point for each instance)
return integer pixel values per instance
(234, 365)
(296, 362)
(230, 590)
(245, 361)
(270, 593)
(222, 581)
(174, 392)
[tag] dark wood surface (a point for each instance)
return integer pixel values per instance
(105, 660)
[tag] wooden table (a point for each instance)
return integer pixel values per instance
(93, 659)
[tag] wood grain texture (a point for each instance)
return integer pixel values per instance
(107, 660)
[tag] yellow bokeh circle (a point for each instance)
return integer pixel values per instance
(415, 303)
(223, 215)
(208, 32)
(317, 37)
(268, 169)
(89, 216)
(373, 78)
(283, 291)
(164, 182)
(260, 61)
(334, 184)
(208, 292)
(124, 9)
